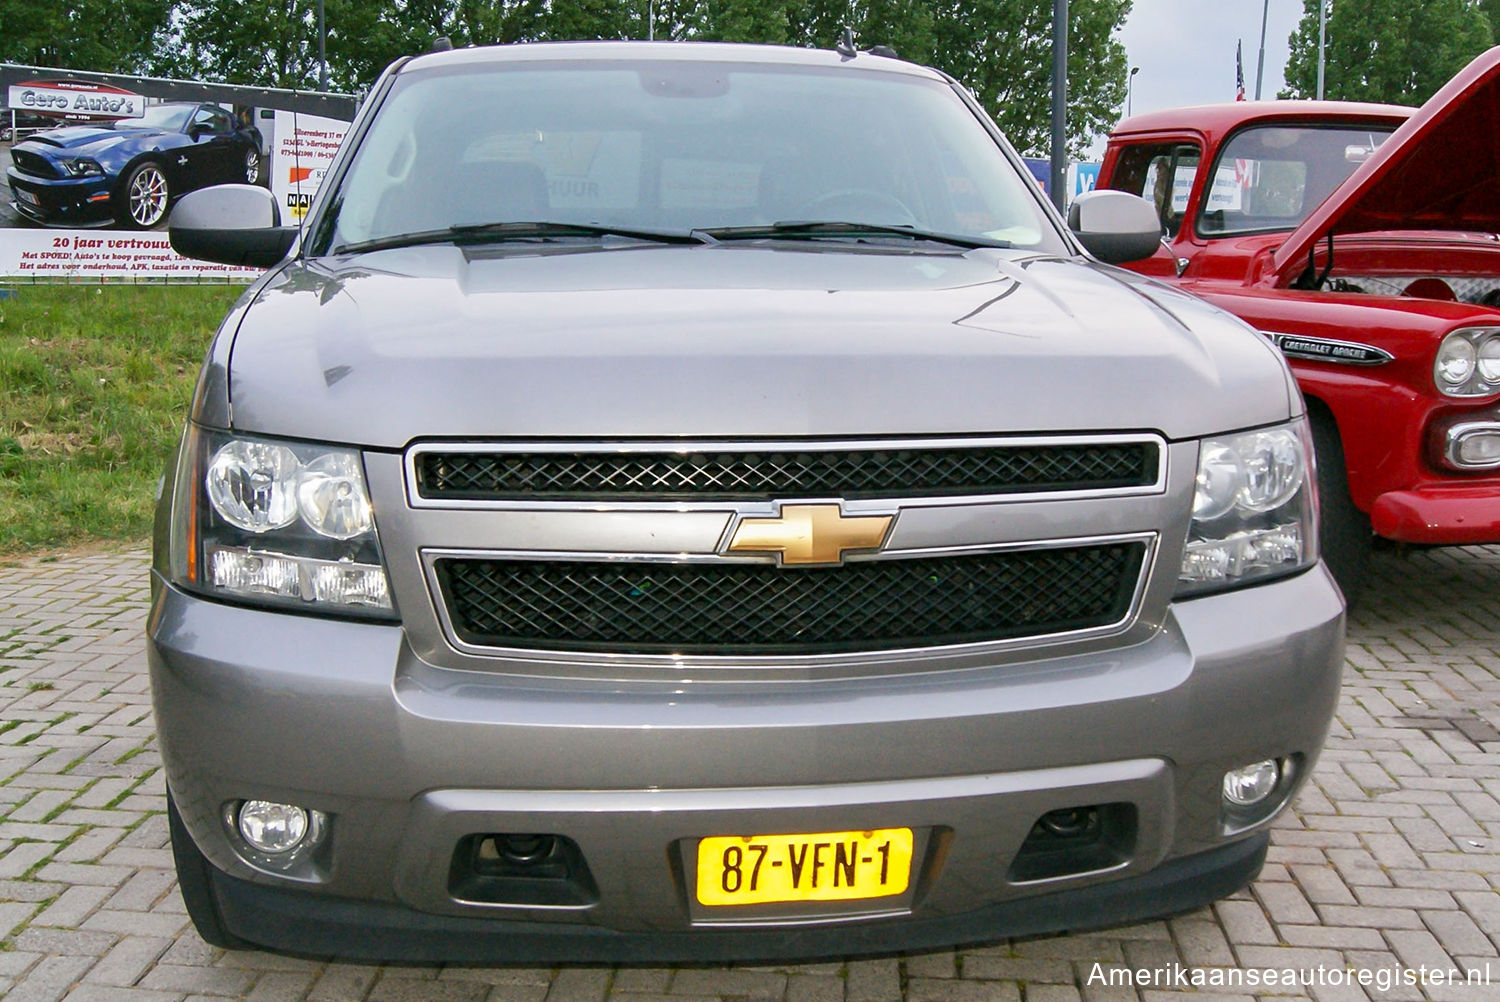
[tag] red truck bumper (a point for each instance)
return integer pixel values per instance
(1445, 515)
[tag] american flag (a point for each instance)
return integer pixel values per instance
(1239, 72)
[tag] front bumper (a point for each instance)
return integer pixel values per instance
(61, 202)
(306, 924)
(1467, 515)
(408, 759)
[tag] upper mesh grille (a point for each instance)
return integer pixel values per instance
(709, 475)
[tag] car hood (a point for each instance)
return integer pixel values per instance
(84, 139)
(736, 340)
(1438, 171)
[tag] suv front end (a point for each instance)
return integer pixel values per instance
(531, 594)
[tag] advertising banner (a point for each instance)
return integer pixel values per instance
(1078, 179)
(1082, 179)
(74, 99)
(80, 255)
(92, 197)
(305, 145)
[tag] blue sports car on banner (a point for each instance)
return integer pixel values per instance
(130, 172)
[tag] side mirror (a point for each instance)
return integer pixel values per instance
(1115, 226)
(230, 224)
(198, 131)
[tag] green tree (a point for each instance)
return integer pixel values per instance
(818, 23)
(1000, 48)
(116, 36)
(364, 38)
(564, 20)
(1396, 51)
(1003, 50)
(908, 26)
(271, 43)
(765, 21)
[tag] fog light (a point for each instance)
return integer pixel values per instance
(272, 828)
(1250, 784)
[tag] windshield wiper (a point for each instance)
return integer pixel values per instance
(825, 229)
(541, 232)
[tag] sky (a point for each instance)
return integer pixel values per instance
(1185, 49)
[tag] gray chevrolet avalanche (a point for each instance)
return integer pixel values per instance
(679, 502)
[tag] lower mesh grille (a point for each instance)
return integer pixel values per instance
(731, 609)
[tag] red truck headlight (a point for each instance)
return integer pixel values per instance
(1468, 363)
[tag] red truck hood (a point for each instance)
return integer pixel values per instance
(1438, 171)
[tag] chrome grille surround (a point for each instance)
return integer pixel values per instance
(696, 531)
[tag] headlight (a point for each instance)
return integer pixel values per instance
(253, 485)
(1468, 363)
(1489, 359)
(331, 496)
(1274, 466)
(277, 523)
(81, 167)
(1254, 510)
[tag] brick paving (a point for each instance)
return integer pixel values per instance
(1386, 871)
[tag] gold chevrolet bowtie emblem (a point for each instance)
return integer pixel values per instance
(810, 534)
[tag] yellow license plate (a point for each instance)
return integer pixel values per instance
(827, 866)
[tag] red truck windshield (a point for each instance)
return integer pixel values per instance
(1269, 177)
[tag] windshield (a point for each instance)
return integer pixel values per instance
(167, 117)
(678, 147)
(1269, 178)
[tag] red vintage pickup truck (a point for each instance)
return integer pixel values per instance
(1362, 239)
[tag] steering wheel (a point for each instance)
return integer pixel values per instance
(857, 205)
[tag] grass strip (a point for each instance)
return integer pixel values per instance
(94, 386)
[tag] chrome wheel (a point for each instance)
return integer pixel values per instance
(147, 195)
(252, 167)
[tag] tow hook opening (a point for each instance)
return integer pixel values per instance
(1076, 840)
(522, 869)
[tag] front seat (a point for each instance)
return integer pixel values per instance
(499, 191)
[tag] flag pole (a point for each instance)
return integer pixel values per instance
(1059, 163)
(1260, 64)
(1322, 41)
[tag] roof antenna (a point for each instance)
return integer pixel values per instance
(846, 44)
(442, 43)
